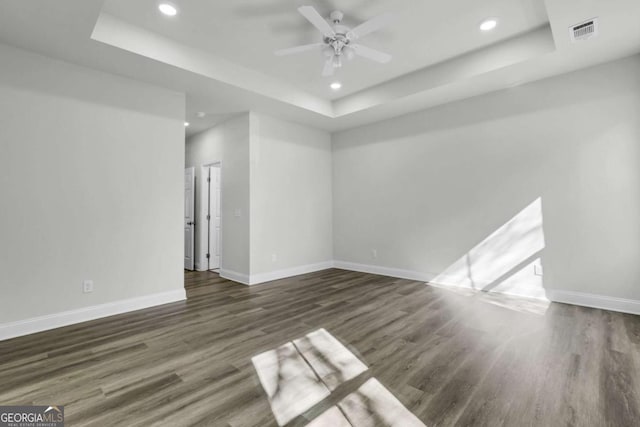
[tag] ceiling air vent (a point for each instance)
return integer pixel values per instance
(584, 30)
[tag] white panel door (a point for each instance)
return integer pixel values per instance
(189, 217)
(214, 230)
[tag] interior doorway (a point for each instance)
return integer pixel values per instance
(212, 231)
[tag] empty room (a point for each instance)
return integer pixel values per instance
(322, 213)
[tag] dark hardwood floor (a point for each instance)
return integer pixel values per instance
(449, 357)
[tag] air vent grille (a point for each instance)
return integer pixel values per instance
(584, 30)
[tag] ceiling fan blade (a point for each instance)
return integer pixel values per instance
(373, 24)
(298, 49)
(316, 19)
(372, 54)
(328, 69)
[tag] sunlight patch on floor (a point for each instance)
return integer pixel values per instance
(300, 374)
(516, 303)
(330, 360)
(290, 384)
(373, 405)
(332, 417)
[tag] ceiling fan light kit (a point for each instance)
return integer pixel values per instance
(338, 40)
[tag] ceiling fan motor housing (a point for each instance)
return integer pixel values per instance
(337, 42)
(340, 39)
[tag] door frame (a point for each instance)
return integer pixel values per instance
(194, 219)
(202, 232)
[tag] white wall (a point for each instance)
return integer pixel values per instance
(291, 201)
(227, 142)
(92, 171)
(432, 191)
(91, 185)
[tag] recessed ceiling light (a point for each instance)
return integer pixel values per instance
(488, 24)
(336, 85)
(168, 9)
(186, 124)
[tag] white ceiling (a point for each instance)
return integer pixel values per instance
(246, 32)
(220, 83)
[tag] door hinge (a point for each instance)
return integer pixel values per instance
(208, 217)
(208, 179)
(208, 256)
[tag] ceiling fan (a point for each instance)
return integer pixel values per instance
(338, 40)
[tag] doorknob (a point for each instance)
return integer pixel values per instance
(191, 223)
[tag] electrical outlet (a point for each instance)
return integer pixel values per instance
(537, 270)
(274, 257)
(87, 286)
(374, 253)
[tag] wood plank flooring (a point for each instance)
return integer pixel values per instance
(451, 358)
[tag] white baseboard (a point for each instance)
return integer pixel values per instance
(384, 271)
(568, 297)
(57, 320)
(234, 276)
(595, 301)
(289, 272)
(65, 318)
